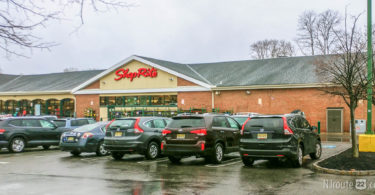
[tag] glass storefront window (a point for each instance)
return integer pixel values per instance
(119, 101)
(103, 101)
(170, 100)
(131, 101)
(1, 107)
(111, 101)
(144, 100)
(157, 100)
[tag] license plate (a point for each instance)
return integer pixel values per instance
(70, 139)
(262, 136)
(180, 136)
(118, 134)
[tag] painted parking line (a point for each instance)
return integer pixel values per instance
(225, 163)
(153, 161)
(3, 163)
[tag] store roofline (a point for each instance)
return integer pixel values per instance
(36, 92)
(158, 90)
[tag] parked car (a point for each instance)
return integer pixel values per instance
(276, 137)
(72, 123)
(206, 135)
(49, 117)
(135, 135)
(16, 133)
(86, 138)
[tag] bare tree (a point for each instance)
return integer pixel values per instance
(307, 32)
(346, 71)
(271, 49)
(20, 18)
(315, 31)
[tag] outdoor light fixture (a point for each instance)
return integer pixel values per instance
(103, 82)
(217, 92)
(171, 79)
(248, 92)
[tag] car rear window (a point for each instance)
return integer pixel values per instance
(273, 124)
(240, 120)
(60, 123)
(184, 122)
(125, 123)
(86, 128)
(79, 122)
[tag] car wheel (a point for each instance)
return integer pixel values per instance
(318, 151)
(17, 145)
(117, 155)
(101, 151)
(247, 161)
(218, 154)
(153, 151)
(298, 160)
(174, 160)
(75, 153)
(46, 147)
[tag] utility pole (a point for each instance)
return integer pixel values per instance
(369, 67)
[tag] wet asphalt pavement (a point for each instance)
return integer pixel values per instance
(38, 171)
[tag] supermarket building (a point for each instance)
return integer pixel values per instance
(146, 86)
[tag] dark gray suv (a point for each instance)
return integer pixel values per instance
(274, 137)
(16, 133)
(135, 135)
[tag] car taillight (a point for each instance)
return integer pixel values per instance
(162, 145)
(87, 135)
(2, 131)
(202, 146)
(287, 130)
(165, 132)
(200, 132)
(106, 127)
(137, 129)
(243, 126)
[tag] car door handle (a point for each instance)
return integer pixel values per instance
(235, 132)
(156, 131)
(221, 131)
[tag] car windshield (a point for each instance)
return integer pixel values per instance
(274, 124)
(186, 122)
(60, 123)
(86, 128)
(240, 120)
(123, 123)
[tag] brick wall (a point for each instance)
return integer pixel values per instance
(84, 102)
(183, 82)
(95, 85)
(194, 100)
(278, 101)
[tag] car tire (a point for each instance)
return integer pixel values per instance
(318, 151)
(218, 154)
(17, 145)
(46, 147)
(101, 151)
(247, 161)
(75, 153)
(153, 151)
(298, 159)
(117, 155)
(174, 160)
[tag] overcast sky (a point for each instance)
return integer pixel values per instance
(187, 31)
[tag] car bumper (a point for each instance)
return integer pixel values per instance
(128, 146)
(289, 152)
(182, 150)
(79, 146)
(4, 144)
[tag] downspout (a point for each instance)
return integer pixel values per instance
(213, 100)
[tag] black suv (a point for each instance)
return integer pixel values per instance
(16, 133)
(276, 137)
(135, 135)
(206, 135)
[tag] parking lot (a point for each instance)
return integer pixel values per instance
(37, 171)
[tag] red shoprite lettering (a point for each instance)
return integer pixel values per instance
(145, 72)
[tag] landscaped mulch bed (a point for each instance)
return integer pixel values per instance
(345, 161)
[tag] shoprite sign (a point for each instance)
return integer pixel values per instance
(145, 72)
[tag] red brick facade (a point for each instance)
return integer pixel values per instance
(95, 85)
(183, 82)
(198, 100)
(84, 102)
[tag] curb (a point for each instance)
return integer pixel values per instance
(340, 172)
